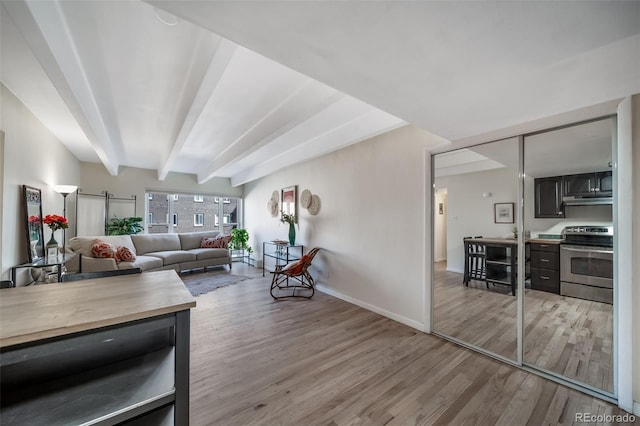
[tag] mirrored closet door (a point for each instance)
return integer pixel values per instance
(474, 291)
(568, 209)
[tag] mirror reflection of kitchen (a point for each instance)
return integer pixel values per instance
(568, 327)
(475, 196)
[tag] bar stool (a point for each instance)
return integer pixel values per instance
(475, 260)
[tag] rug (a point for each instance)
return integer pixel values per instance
(206, 283)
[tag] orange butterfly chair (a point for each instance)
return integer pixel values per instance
(294, 279)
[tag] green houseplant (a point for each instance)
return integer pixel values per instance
(124, 226)
(239, 238)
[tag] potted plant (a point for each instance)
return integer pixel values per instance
(239, 238)
(124, 226)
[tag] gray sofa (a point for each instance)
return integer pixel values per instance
(153, 252)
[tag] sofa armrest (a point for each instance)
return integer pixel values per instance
(92, 264)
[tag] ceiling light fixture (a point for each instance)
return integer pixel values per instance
(165, 17)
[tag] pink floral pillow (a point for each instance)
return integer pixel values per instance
(219, 241)
(103, 250)
(124, 254)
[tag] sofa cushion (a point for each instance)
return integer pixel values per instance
(191, 240)
(143, 262)
(147, 243)
(84, 244)
(220, 241)
(209, 253)
(173, 256)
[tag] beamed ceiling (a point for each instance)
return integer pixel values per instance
(242, 89)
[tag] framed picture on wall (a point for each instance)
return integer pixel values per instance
(503, 212)
(288, 197)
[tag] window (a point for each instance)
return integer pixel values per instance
(222, 213)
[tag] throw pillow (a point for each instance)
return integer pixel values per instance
(219, 241)
(103, 250)
(124, 254)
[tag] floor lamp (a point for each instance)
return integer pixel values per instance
(64, 190)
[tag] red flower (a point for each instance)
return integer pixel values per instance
(34, 220)
(55, 222)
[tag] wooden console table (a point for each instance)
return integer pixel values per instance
(101, 351)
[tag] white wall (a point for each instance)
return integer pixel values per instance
(471, 214)
(133, 181)
(371, 225)
(635, 255)
(440, 227)
(2, 158)
(32, 156)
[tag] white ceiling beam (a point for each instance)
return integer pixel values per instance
(45, 28)
(219, 63)
(330, 141)
(296, 108)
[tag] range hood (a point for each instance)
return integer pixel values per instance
(587, 201)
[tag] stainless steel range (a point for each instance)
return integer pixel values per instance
(586, 263)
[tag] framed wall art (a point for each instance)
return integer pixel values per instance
(503, 212)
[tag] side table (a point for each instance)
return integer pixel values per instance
(281, 251)
(46, 261)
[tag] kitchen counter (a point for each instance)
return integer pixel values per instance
(98, 351)
(498, 240)
(39, 312)
(545, 240)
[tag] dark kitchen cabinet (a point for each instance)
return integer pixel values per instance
(604, 181)
(545, 267)
(588, 184)
(548, 197)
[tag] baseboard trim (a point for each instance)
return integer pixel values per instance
(636, 408)
(456, 270)
(401, 319)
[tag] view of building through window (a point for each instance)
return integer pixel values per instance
(191, 213)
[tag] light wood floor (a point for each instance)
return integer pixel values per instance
(569, 336)
(256, 361)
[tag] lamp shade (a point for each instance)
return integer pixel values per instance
(65, 189)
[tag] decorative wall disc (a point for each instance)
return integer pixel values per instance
(272, 206)
(305, 199)
(314, 206)
(275, 196)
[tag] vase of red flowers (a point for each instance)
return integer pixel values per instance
(54, 222)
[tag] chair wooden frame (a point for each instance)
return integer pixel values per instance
(295, 278)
